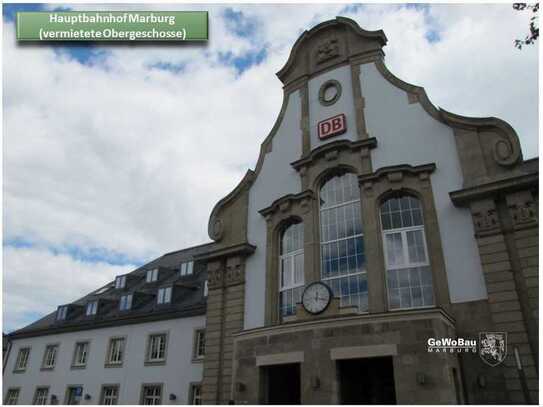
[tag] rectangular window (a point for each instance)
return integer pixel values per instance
(49, 357)
(409, 277)
(73, 395)
(125, 302)
(22, 359)
(186, 268)
(110, 395)
(156, 351)
(151, 394)
(62, 311)
(40, 396)
(116, 351)
(199, 348)
(195, 394)
(120, 282)
(92, 307)
(164, 295)
(11, 397)
(152, 275)
(81, 353)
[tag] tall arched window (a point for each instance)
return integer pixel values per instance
(343, 263)
(409, 278)
(291, 264)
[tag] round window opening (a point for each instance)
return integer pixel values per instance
(329, 92)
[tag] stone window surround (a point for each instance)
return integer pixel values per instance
(321, 164)
(195, 357)
(144, 385)
(192, 387)
(67, 392)
(35, 397)
(22, 370)
(162, 361)
(75, 366)
(12, 389)
(107, 362)
(103, 388)
(47, 346)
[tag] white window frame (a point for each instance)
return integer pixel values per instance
(405, 249)
(23, 356)
(151, 276)
(116, 350)
(199, 342)
(41, 394)
(164, 295)
(157, 342)
(120, 282)
(91, 308)
(112, 398)
(81, 349)
(12, 396)
(195, 394)
(125, 302)
(157, 399)
(62, 312)
(186, 268)
(50, 356)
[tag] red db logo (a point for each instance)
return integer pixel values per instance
(334, 126)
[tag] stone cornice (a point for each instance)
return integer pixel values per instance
(333, 148)
(397, 171)
(285, 202)
(464, 196)
(243, 249)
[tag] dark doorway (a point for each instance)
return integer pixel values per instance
(366, 381)
(282, 384)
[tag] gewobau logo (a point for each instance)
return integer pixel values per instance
(451, 345)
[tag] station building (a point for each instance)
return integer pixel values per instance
(373, 222)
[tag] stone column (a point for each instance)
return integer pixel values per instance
(503, 296)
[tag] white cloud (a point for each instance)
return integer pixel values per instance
(132, 159)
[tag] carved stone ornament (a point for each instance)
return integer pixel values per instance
(523, 213)
(214, 278)
(329, 49)
(218, 229)
(234, 274)
(485, 220)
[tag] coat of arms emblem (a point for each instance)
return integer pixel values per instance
(493, 347)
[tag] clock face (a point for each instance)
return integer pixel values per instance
(316, 297)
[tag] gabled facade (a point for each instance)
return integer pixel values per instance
(373, 223)
(423, 224)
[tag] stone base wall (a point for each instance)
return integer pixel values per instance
(318, 345)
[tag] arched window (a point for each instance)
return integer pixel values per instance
(409, 278)
(343, 263)
(291, 264)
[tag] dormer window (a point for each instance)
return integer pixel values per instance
(126, 302)
(120, 282)
(152, 275)
(92, 308)
(62, 311)
(164, 295)
(186, 268)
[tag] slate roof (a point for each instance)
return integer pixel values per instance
(187, 298)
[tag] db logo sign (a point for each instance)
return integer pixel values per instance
(334, 126)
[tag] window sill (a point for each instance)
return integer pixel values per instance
(78, 367)
(198, 360)
(113, 365)
(18, 371)
(155, 362)
(45, 369)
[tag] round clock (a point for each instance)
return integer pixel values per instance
(316, 297)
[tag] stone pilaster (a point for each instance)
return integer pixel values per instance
(225, 315)
(504, 296)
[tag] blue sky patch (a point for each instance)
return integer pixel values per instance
(239, 23)
(245, 61)
(168, 66)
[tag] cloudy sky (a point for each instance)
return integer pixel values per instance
(104, 163)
